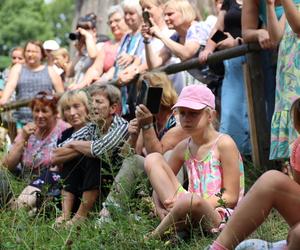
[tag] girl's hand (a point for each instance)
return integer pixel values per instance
(169, 203)
(161, 212)
(204, 55)
(264, 39)
(28, 130)
(229, 42)
(124, 60)
(143, 115)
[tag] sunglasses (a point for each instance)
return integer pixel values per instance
(44, 96)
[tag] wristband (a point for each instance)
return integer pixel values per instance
(146, 41)
(147, 126)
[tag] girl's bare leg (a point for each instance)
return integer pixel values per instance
(271, 190)
(161, 176)
(189, 208)
(294, 238)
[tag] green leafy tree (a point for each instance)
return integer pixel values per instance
(23, 20)
(61, 14)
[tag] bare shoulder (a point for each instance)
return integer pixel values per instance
(226, 143)
(16, 68)
(179, 151)
(181, 146)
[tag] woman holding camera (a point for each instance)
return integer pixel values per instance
(87, 49)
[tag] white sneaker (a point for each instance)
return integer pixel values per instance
(257, 244)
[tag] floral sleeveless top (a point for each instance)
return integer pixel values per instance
(205, 176)
(37, 153)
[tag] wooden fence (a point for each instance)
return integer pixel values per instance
(254, 78)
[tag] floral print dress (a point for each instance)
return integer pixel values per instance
(287, 91)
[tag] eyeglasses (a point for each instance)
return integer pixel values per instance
(110, 22)
(44, 96)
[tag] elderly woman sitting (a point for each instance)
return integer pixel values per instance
(32, 149)
(99, 139)
(81, 175)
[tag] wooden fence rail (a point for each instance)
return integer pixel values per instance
(259, 129)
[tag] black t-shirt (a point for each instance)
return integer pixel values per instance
(66, 134)
(232, 19)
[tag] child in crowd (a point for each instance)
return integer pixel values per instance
(272, 190)
(286, 33)
(213, 163)
(61, 62)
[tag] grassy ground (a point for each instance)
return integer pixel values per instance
(20, 231)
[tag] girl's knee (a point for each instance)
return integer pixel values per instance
(190, 202)
(294, 232)
(294, 237)
(152, 160)
(272, 180)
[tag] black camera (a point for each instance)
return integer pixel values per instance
(74, 36)
(150, 97)
(87, 22)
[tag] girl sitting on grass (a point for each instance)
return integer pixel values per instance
(213, 163)
(272, 190)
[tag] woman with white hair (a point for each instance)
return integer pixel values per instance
(105, 61)
(130, 52)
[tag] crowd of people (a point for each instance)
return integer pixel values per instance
(82, 137)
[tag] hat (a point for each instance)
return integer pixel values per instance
(195, 97)
(50, 45)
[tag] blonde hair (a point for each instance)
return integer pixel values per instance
(160, 79)
(61, 52)
(154, 2)
(71, 96)
(186, 9)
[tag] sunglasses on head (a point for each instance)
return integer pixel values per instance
(44, 96)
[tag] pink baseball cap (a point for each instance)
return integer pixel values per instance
(195, 97)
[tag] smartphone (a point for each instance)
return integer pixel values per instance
(142, 93)
(153, 99)
(146, 17)
(150, 97)
(218, 36)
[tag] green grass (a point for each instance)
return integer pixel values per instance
(20, 231)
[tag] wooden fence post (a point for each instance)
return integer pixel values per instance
(259, 127)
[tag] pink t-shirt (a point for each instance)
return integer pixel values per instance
(37, 153)
(110, 53)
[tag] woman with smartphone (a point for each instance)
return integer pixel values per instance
(234, 115)
(185, 43)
